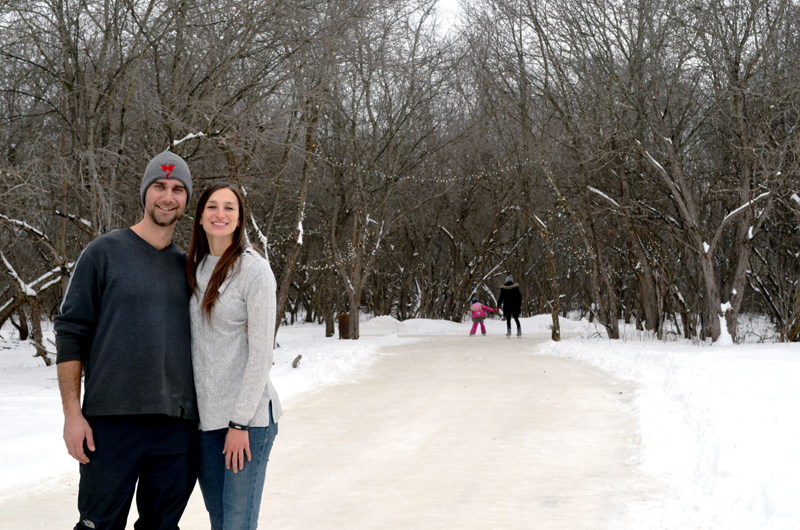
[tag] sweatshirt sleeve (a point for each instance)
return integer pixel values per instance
(259, 291)
(77, 319)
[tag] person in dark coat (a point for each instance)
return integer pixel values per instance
(510, 301)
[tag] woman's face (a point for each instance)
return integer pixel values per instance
(221, 215)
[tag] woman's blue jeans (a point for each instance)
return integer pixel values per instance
(233, 499)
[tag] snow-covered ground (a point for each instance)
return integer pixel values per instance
(719, 424)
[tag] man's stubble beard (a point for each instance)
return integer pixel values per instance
(163, 224)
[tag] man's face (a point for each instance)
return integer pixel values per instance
(165, 201)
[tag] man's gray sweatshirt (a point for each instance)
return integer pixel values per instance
(125, 316)
(231, 365)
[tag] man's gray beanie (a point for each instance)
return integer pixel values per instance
(509, 279)
(167, 165)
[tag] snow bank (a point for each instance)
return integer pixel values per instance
(325, 359)
(381, 326)
(386, 325)
(31, 446)
(719, 429)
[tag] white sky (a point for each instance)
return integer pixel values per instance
(449, 9)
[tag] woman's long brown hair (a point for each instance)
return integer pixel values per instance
(199, 249)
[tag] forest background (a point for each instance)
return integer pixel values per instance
(631, 160)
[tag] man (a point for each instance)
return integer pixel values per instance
(510, 300)
(124, 322)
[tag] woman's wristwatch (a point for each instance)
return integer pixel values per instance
(237, 426)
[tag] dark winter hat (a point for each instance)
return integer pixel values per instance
(474, 301)
(509, 279)
(167, 165)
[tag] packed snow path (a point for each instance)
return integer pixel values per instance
(457, 432)
(449, 432)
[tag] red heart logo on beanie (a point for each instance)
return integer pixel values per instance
(168, 170)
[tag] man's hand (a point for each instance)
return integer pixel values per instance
(76, 430)
(237, 445)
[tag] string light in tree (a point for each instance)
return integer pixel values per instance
(372, 172)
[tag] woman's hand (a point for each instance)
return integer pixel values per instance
(237, 445)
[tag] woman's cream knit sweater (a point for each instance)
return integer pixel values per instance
(231, 365)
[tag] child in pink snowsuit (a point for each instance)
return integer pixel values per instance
(478, 311)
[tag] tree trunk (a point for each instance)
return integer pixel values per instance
(712, 297)
(355, 306)
(608, 305)
(286, 282)
(556, 332)
(312, 110)
(647, 282)
(744, 248)
(10, 309)
(37, 339)
(356, 280)
(22, 327)
(329, 315)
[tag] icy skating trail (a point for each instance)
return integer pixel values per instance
(458, 433)
(445, 433)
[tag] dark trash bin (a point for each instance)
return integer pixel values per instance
(344, 326)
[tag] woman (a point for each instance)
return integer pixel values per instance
(510, 300)
(233, 324)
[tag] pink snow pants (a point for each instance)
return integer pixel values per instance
(475, 327)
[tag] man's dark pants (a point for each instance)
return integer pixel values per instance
(159, 452)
